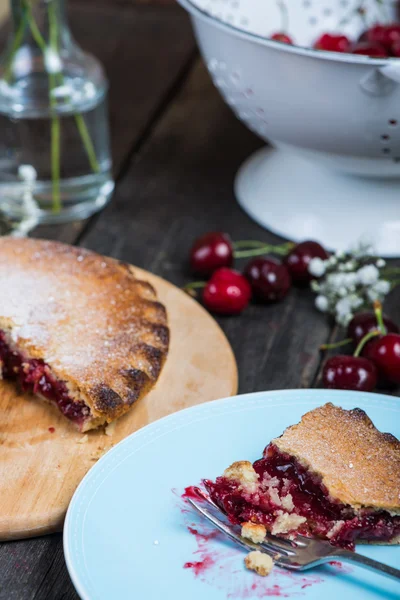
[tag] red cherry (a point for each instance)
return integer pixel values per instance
(396, 49)
(369, 49)
(383, 35)
(343, 372)
(299, 258)
(269, 279)
(333, 43)
(282, 37)
(365, 322)
(210, 252)
(384, 352)
(227, 292)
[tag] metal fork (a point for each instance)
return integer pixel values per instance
(299, 555)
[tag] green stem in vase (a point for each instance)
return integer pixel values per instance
(54, 80)
(55, 163)
(87, 142)
(55, 119)
(16, 43)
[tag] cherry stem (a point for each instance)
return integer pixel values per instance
(390, 270)
(336, 344)
(254, 248)
(394, 283)
(364, 340)
(379, 317)
(194, 285)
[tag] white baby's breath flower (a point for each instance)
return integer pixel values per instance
(379, 290)
(52, 61)
(27, 173)
(380, 263)
(322, 303)
(368, 275)
(317, 267)
(315, 286)
(382, 287)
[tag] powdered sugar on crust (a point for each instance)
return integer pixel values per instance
(100, 329)
(358, 465)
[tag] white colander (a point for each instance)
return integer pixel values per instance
(333, 119)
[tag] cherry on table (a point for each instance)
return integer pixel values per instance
(343, 372)
(384, 352)
(333, 43)
(365, 322)
(282, 37)
(270, 280)
(211, 251)
(299, 258)
(369, 49)
(227, 292)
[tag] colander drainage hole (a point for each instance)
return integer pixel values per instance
(393, 122)
(386, 150)
(385, 137)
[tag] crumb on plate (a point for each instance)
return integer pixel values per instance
(259, 562)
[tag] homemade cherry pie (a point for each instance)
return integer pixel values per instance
(78, 329)
(333, 476)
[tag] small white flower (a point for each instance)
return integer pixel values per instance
(331, 262)
(380, 263)
(317, 267)
(344, 306)
(322, 303)
(52, 61)
(379, 290)
(382, 287)
(315, 286)
(61, 91)
(368, 275)
(27, 173)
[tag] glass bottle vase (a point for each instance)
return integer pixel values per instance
(55, 160)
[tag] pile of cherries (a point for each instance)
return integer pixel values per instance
(266, 280)
(379, 41)
(376, 360)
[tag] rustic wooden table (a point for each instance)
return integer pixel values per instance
(176, 148)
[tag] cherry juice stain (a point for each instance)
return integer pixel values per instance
(218, 562)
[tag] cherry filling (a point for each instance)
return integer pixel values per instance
(285, 486)
(35, 376)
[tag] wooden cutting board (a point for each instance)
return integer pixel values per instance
(43, 458)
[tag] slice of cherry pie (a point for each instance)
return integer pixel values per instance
(78, 329)
(333, 476)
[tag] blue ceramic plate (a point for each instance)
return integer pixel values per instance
(129, 535)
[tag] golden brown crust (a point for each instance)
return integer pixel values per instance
(358, 464)
(100, 329)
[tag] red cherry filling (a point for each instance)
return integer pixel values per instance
(284, 483)
(35, 376)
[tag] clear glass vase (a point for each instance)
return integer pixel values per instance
(54, 146)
